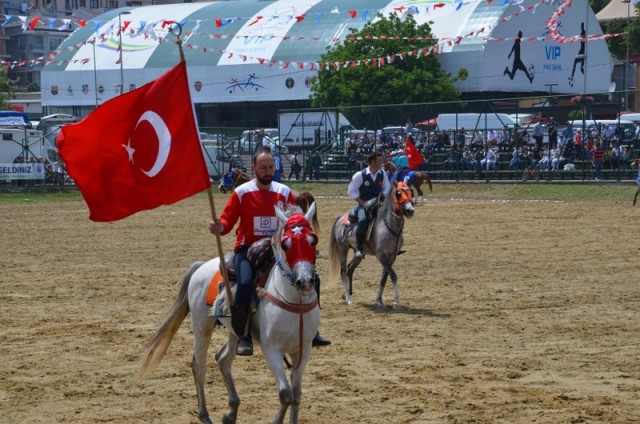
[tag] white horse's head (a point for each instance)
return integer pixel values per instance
(298, 242)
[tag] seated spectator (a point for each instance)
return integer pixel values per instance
(533, 156)
(492, 137)
(516, 161)
(555, 158)
(625, 157)
(469, 158)
(545, 159)
(503, 143)
(452, 162)
(489, 161)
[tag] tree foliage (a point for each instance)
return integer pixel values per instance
(618, 45)
(7, 90)
(406, 80)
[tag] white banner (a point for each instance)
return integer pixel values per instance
(21, 171)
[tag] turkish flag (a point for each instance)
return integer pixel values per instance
(414, 156)
(137, 151)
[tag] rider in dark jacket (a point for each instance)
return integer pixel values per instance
(366, 185)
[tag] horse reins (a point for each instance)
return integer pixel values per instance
(296, 308)
(391, 230)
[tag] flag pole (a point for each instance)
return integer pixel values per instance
(212, 206)
(223, 265)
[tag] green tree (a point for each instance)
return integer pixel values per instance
(7, 90)
(406, 80)
(618, 45)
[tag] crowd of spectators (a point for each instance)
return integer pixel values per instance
(532, 148)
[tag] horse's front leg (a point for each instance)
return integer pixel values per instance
(276, 365)
(388, 272)
(636, 196)
(224, 359)
(296, 381)
(383, 282)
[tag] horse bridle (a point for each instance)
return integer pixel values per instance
(296, 308)
(400, 217)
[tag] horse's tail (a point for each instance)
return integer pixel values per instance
(334, 254)
(159, 343)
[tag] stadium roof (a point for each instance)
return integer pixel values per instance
(252, 50)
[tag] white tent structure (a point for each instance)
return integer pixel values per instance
(265, 51)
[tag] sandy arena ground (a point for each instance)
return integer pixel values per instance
(515, 312)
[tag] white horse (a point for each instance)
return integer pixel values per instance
(286, 320)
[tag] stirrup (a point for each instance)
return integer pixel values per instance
(245, 346)
(359, 253)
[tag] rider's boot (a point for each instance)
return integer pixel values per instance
(361, 233)
(239, 322)
(318, 340)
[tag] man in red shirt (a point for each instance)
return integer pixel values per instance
(597, 157)
(253, 205)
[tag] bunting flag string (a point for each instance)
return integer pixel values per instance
(30, 23)
(312, 65)
(157, 31)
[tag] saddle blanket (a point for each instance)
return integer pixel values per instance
(216, 295)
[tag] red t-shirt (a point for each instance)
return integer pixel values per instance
(255, 209)
(598, 154)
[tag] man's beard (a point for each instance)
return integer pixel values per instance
(265, 180)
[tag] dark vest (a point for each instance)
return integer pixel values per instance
(370, 188)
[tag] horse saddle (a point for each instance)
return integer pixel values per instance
(370, 209)
(261, 258)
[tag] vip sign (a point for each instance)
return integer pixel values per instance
(553, 53)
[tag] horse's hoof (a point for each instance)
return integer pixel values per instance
(229, 418)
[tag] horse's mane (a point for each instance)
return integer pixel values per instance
(387, 203)
(305, 200)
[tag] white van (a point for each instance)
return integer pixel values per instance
(633, 117)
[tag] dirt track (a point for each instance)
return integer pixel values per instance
(514, 312)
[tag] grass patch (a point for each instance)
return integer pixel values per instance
(38, 194)
(600, 192)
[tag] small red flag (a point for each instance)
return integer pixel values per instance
(137, 151)
(413, 155)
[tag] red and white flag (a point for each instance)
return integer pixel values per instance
(413, 155)
(137, 151)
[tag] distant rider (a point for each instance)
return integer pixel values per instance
(366, 185)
